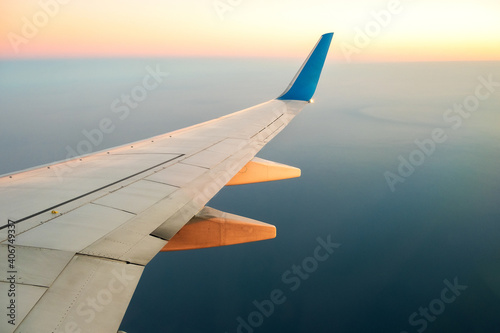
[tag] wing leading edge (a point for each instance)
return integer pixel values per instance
(83, 238)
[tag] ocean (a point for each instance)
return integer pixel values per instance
(392, 227)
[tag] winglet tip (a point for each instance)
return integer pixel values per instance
(305, 81)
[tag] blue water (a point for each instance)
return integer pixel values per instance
(399, 249)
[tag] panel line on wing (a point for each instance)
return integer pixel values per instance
(158, 182)
(265, 128)
(111, 207)
(133, 153)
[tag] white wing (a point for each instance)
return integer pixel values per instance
(76, 235)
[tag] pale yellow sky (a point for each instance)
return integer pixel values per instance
(375, 30)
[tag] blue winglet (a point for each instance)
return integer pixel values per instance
(304, 83)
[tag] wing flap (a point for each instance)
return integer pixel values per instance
(37, 267)
(25, 299)
(90, 295)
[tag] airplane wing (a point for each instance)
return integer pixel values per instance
(75, 235)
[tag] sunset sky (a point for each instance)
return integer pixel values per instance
(365, 31)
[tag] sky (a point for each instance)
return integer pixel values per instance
(365, 31)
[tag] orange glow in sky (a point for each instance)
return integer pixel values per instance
(365, 31)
